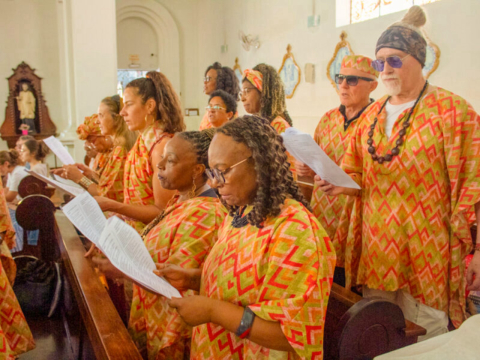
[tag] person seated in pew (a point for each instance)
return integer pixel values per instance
(10, 166)
(218, 77)
(182, 234)
(34, 152)
(415, 157)
(265, 284)
(109, 181)
(151, 107)
(263, 94)
(356, 80)
(221, 108)
(18, 146)
(15, 335)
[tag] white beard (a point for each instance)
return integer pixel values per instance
(393, 87)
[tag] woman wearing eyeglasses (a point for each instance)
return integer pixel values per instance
(356, 80)
(218, 77)
(263, 94)
(264, 285)
(182, 234)
(221, 108)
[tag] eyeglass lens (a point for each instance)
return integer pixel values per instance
(394, 61)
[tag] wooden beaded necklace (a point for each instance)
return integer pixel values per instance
(395, 151)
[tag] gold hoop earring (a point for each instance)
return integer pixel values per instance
(191, 193)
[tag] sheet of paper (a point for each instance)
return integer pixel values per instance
(85, 213)
(127, 252)
(59, 150)
(72, 190)
(303, 148)
(67, 182)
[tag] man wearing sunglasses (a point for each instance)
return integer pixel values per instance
(356, 80)
(416, 157)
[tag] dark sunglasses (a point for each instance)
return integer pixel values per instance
(394, 61)
(352, 80)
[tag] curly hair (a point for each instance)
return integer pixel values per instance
(274, 178)
(229, 100)
(272, 100)
(200, 141)
(226, 79)
(169, 111)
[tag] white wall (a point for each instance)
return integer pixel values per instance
(453, 25)
(29, 33)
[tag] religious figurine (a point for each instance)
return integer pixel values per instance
(26, 106)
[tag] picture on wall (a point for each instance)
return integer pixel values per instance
(341, 50)
(238, 71)
(290, 73)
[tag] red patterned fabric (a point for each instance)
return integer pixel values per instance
(183, 237)
(282, 271)
(415, 209)
(110, 184)
(333, 212)
(138, 187)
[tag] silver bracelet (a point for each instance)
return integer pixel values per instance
(246, 323)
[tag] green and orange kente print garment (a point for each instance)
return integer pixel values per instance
(138, 186)
(333, 212)
(282, 271)
(110, 184)
(183, 237)
(415, 229)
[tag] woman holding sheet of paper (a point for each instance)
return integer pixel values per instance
(151, 107)
(182, 234)
(108, 181)
(264, 285)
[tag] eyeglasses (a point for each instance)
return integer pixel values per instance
(352, 80)
(219, 175)
(208, 78)
(244, 92)
(214, 108)
(394, 61)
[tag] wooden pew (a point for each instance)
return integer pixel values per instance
(93, 328)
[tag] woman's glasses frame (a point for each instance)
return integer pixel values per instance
(219, 175)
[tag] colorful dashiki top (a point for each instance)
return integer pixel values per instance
(6, 228)
(282, 271)
(98, 163)
(138, 186)
(183, 237)
(416, 232)
(205, 124)
(280, 125)
(333, 135)
(111, 179)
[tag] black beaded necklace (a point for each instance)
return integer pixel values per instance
(239, 220)
(395, 151)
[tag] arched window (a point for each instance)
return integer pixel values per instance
(354, 11)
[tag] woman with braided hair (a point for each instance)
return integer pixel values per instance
(263, 94)
(182, 234)
(264, 285)
(151, 107)
(108, 181)
(218, 77)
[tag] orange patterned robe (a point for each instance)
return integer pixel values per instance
(333, 212)
(98, 163)
(281, 125)
(205, 124)
(15, 335)
(138, 187)
(183, 237)
(282, 271)
(112, 176)
(416, 231)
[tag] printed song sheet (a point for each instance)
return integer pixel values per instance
(59, 150)
(72, 190)
(119, 242)
(302, 146)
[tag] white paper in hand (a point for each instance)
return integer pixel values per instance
(59, 150)
(85, 213)
(303, 148)
(72, 190)
(127, 252)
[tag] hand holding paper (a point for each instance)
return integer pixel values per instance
(302, 146)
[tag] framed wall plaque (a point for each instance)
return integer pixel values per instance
(290, 73)
(341, 50)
